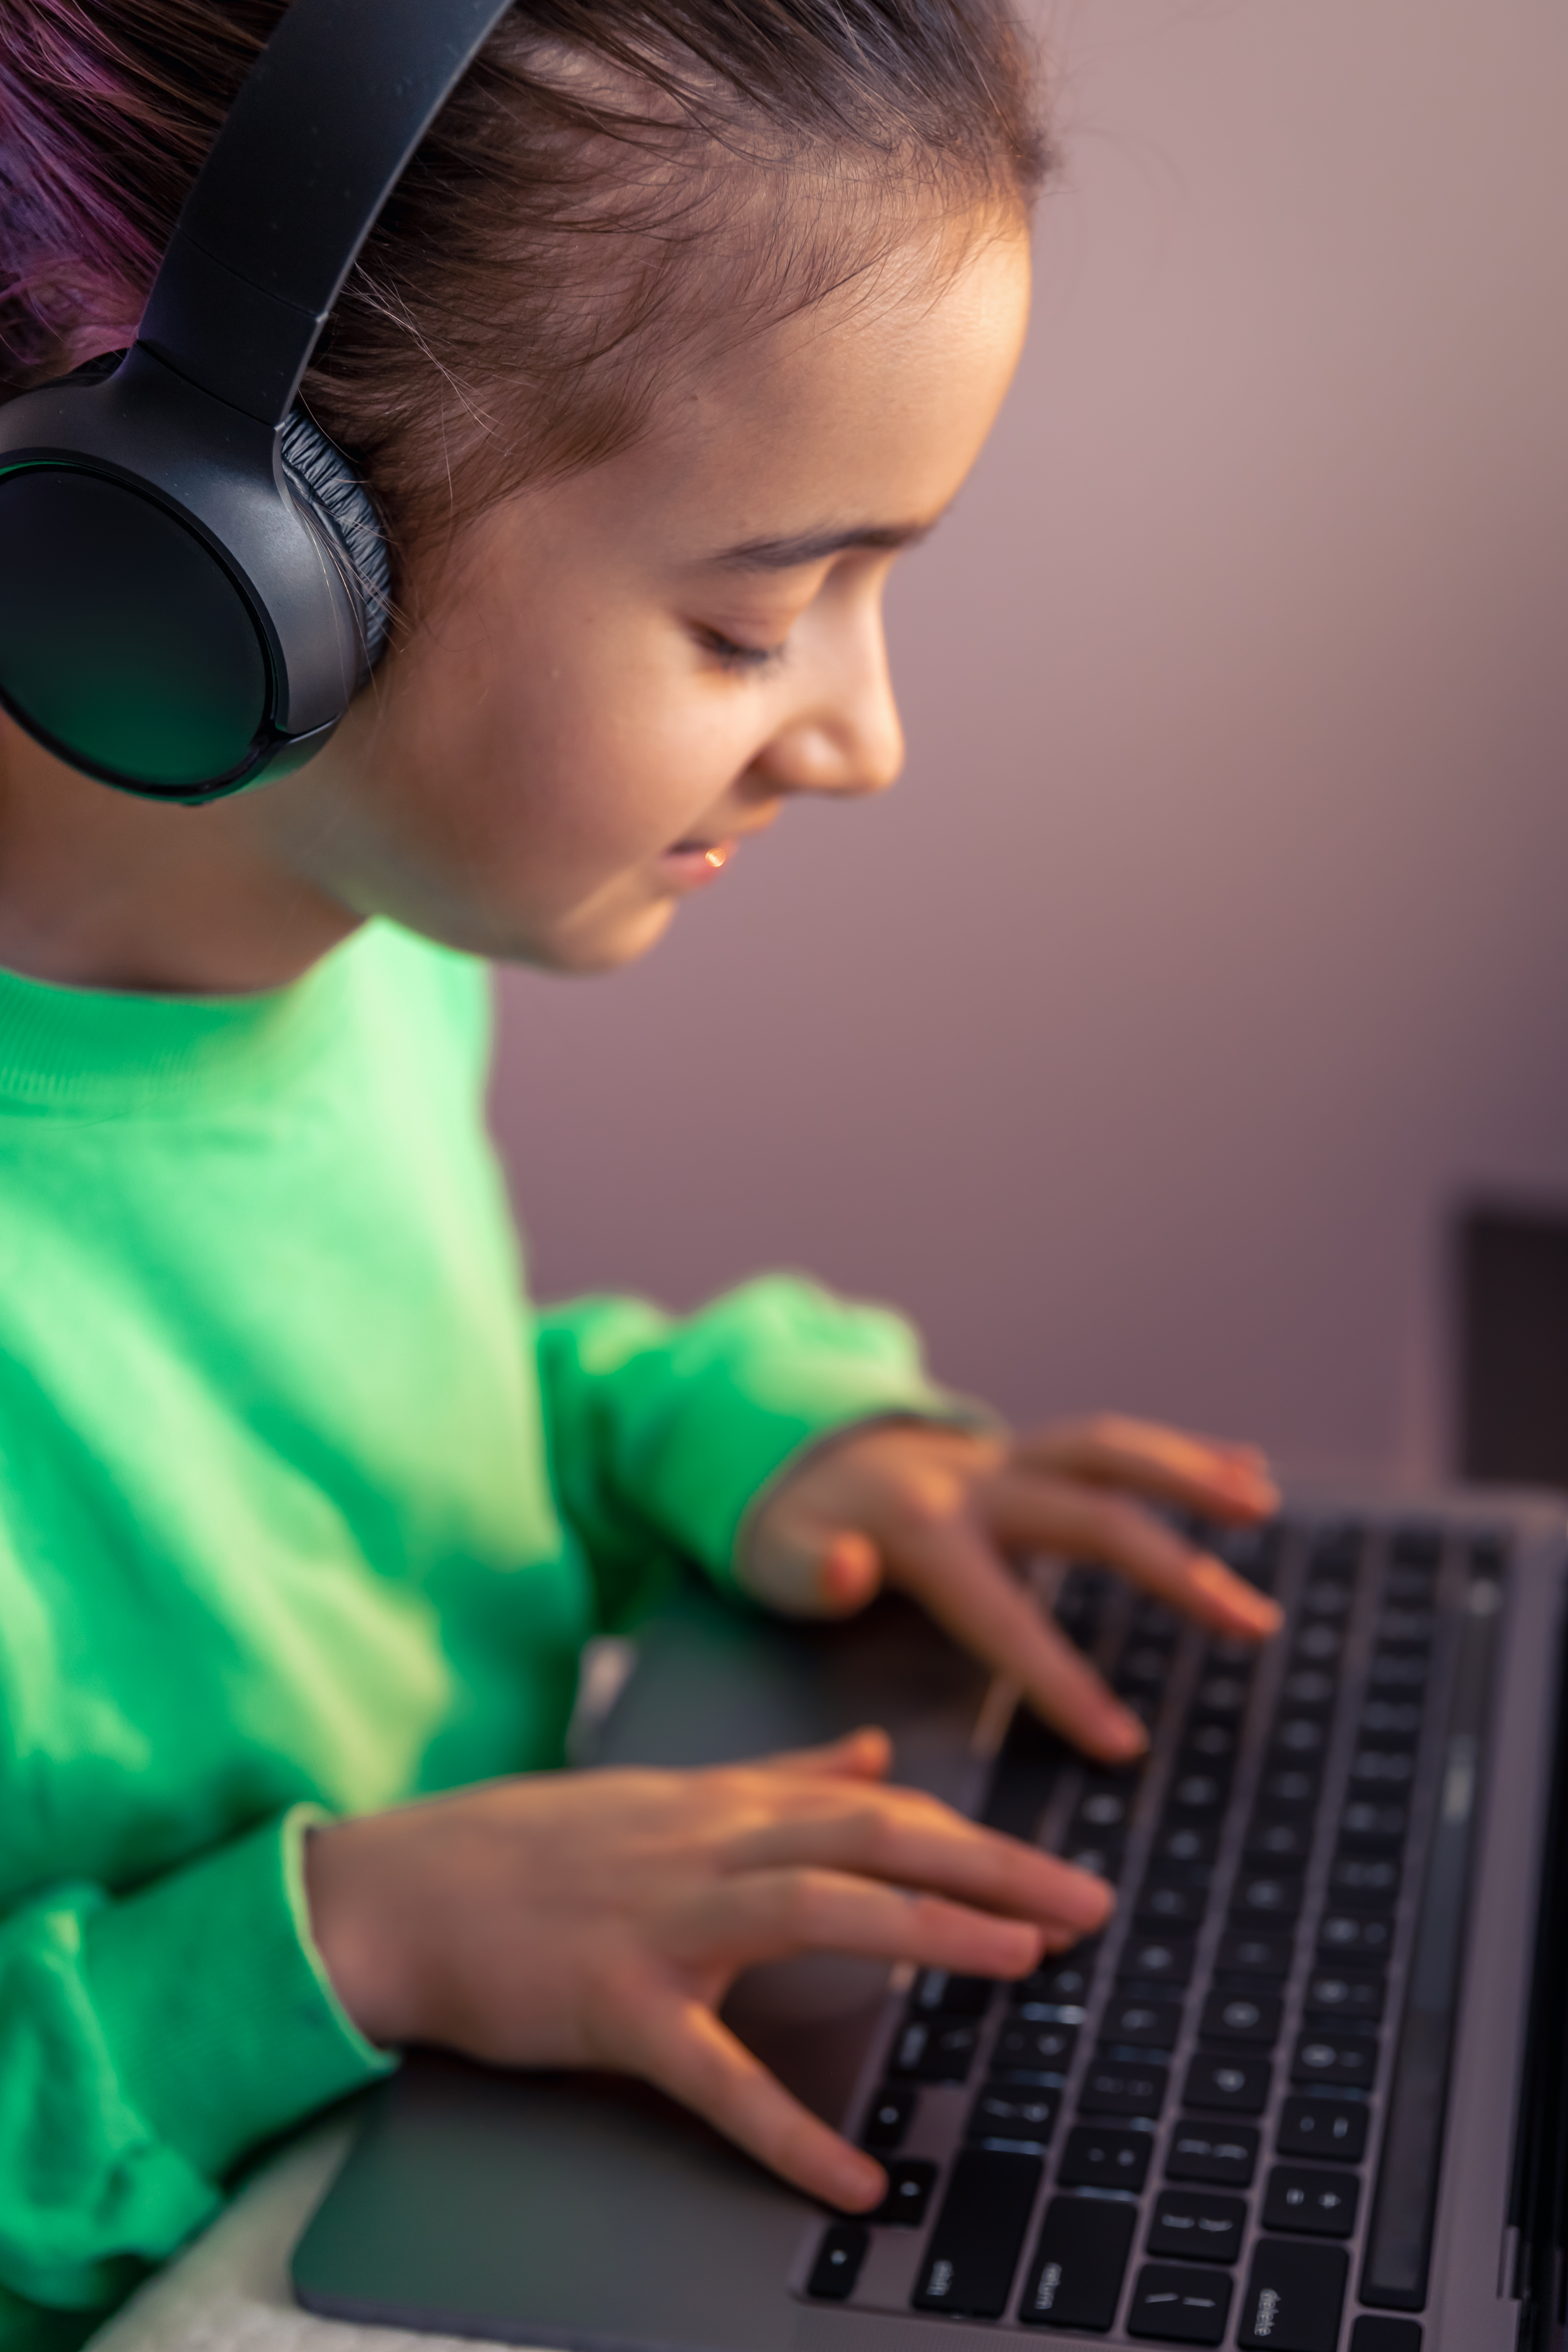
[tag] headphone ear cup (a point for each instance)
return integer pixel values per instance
(338, 503)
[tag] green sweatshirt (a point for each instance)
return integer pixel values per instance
(300, 1508)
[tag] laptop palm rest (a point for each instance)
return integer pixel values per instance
(587, 2210)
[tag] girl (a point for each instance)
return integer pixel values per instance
(689, 317)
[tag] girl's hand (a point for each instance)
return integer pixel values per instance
(599, 1918)
(935, 1513)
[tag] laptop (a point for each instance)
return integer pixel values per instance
(1304, 2095)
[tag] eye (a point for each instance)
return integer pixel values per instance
(733, 656)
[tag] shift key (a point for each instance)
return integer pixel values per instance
(973, 2249)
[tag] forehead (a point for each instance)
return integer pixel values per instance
(867, 410)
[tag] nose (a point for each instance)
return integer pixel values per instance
(845, 736)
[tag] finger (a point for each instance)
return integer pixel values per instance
(1024, 1509)
(694, 2057)
(966, 1586)
(922, 1849)
(807, 1567)
(772, 1914)
(1170, 1466)
(865, 1754)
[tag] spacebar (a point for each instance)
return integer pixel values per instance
(973, 2249)
(1399, 2241)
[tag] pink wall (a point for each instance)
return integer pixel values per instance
(1216, 939)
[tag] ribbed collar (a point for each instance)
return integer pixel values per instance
(95, 1052)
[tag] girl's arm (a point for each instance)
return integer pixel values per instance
(146, 2042)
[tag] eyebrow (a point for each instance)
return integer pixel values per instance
(816, 547)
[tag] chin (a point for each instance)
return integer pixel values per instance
(579, 951)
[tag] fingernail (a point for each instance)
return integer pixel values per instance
(857, 2184)
(1125, 1735)
(1254, 1609)
(1091, 1902)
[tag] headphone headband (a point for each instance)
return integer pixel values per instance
(323, 129)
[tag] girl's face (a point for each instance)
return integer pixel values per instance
(611, 683)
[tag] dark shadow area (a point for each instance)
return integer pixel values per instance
(1512, 1269)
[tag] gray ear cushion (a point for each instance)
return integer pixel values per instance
(326, 484)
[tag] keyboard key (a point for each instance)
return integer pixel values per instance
(1179, 2306)
(1152, 1622)
(1104, 1806)
(1239, 2085)
(1256, 1952)
(1220, 1698)
(1226, 2153)
(1264, 1897)
(1398, 1670)
(838, 2261)
(1033, 2050)
(974, 2249)
(1365, 1882)
(1201, 2227)
(1309, 1686)
(1345, 1936)
(1063, 1983)
(1162, 1906)
(1118, 2087)
(1197, 1794)
(1025, 2118)
(1099, 2156)
(1157, 1959)
(1320, 1644)
(1326, 1597)
(1208, 1743)
(1076, 2276)
(1141, 2025)
(936, 2050)
(1323, 2127)
(1370, 2334)
(1279, 1842)
(1183, 1841)
(1303, 2197)
(1337, 1551)
(1367, 1826)
(1299, 1738)
(1102, 1857)
(1333, 1996)
(1146, 1665)
(911, 2179)
(1416, 1547)
(889, 2118)
(1293, 2298)
(1380, 1769)
(959, 1995)
(1289, 1788)
(1387, 1722)
(1412, 1627)
(1346, 2056)
(1242, 2017)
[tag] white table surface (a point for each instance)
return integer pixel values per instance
(229, 2292)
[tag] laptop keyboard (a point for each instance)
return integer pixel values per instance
(1221, 2122)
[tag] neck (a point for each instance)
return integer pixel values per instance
(99, 890)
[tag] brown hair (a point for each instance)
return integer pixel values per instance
(614, 183)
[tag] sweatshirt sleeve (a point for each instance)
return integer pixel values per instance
(146, 2042)
(671, 1428)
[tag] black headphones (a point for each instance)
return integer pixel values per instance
(193, 579)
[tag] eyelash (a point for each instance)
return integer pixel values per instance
(733, 656)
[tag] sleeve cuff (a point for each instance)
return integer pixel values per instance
(811, 1368)
(214, 1999)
